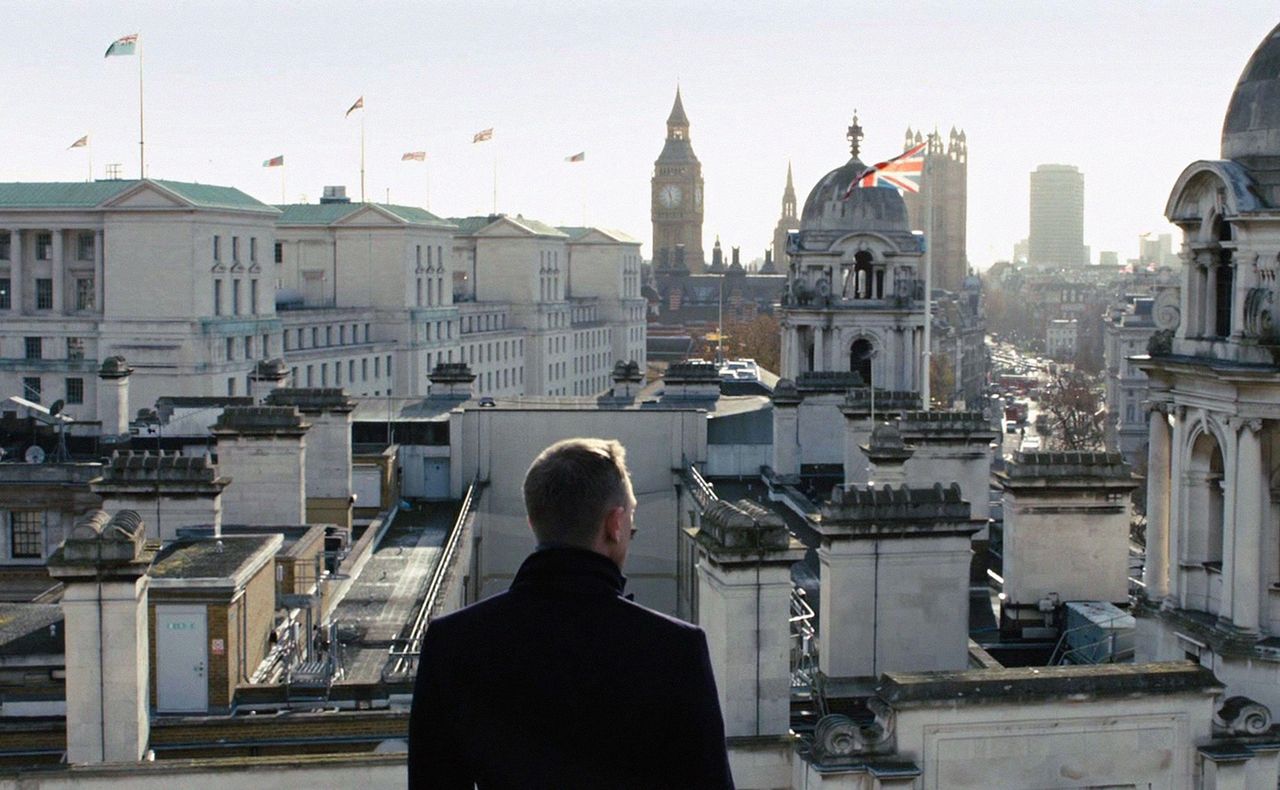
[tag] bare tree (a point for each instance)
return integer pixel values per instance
(1072, 403)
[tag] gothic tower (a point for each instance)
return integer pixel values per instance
(944, 193)
(677, 198)
(788, 222)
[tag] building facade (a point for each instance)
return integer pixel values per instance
(352, 295)
(1057, 218)
(1213, 523)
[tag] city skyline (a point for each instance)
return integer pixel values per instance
(229, 86)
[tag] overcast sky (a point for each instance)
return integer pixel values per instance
(1131, 92)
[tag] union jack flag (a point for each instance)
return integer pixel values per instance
(901, 172)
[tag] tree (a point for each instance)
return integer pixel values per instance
(1073, 403)
(759, 339)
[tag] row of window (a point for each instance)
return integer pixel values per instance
(84, 298)
(581, 364)
(34, 347)
(85, 246)
(236, 287)
(235, 249)
(487, 322)
(434, 292)
(246, 345)
(500, 379)
(295, 339)
(318, 374)
(72, 389)
(592, 337)
(494, 351)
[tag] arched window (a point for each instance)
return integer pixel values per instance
(860, 355)
(862, 268)
(1224, 282)
(1204, 523)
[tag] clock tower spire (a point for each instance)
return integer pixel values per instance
(677, 198)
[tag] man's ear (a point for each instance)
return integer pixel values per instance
(613, 524)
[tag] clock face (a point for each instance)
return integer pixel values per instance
(670, 196)
(697, 198)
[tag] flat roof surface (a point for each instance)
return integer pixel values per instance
(1021, 683)
(30, 629)
(204, 558)
(383, 600)
(26, 583)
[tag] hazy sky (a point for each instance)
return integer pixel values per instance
(1131, 92)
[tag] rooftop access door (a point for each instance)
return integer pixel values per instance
(182, 659)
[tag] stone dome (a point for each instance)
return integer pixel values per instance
(873, 209)
(1252, 125)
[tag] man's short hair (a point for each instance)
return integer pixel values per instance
(570, 487)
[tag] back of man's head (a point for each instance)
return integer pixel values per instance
(571, 486)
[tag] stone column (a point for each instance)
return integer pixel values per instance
(103, 567)
(15, 270)
(1177, 450)
(1209, 300)
(786, 438)
(819, 348)
(1247, 489)
(58, 271)
(99, 272)
(744, 601)
(1230, 561)
(1156, 571)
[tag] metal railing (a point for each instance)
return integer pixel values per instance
(402, 656)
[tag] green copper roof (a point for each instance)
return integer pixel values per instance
(576, 232)
(329, 213)
(471, 225)
(210, 196)
(92, 194)
(85, 194)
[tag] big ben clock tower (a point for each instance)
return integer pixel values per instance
(677, 198)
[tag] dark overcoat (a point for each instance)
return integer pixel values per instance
(561, 682)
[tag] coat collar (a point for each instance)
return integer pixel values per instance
(569, 569)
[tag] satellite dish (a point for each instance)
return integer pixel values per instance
(34, 455)
(56, 408)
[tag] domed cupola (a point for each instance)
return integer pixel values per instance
(1252, 126)
(827, 208)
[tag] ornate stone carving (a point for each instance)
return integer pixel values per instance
(1166, 311)
(1242, 716)
(1259, 314)
(837, 736)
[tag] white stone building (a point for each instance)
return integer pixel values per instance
(1060, 338)
(175, 277)
(184, 281)
(1213, 523)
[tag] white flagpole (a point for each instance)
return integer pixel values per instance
(362, 200)
(927, 356)
(89, 146)
(142, 136)
(428, 205)
(495, 176)
(283, 200)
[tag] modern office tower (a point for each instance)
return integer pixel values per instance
(1057, 217)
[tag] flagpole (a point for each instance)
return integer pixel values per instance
(142, 135)
(927, 356)
(495, 178)
(362, 200)
(89, 145)
(428, 205)
(283, 199)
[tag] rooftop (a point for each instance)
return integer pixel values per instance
(1026, 684)
(206, 558)
(330, 213)
(93, 194)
